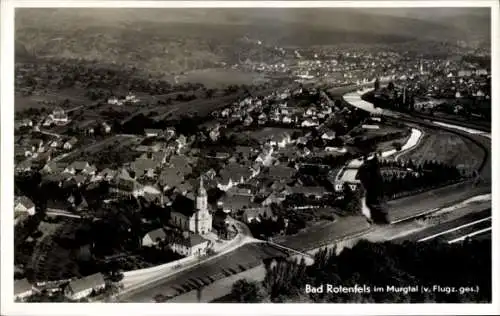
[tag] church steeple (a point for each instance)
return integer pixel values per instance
(201, 197)
(201, 188)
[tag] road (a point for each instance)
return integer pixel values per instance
(478, 224)
(243, 258)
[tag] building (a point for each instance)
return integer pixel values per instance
(190, 245)
(68, 145)
(154, 237)
(24, 205)
(256, 214)
(197, 220)
(58, 117)
(83, 287)
(22, 289)
(328, 135)
(153, 132)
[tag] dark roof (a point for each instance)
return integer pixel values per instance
(184, 206)
(88, 282)
(281, 172)
(79, 165)
(58, 205)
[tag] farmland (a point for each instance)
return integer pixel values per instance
(448, 148)
(216, 78)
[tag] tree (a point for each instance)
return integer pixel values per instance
(244, 291)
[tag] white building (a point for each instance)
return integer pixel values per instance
(23, 204)
(192, 245)
(83, 287)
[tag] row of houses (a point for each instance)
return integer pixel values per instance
(75, 289)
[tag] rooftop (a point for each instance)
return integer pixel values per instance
(87, 282)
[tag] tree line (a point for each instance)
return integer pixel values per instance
(407, 264)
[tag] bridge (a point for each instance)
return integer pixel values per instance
(298, 255)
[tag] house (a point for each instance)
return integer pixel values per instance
(370, 126)
(56, 144)
(181, 142)
(77, 167)
(153, 237)
(287, 119)
(126, 186)
(234, 203)
(68, 145)
(273, 198)
(280, 139)
(24, 205)
(310, 191)
(256, 214)
(83, 287)
(330, 135)
(170, 177)
(58, 117)
(142, 166)
(309, 123)
(106, 128)
(22, 289)
(153, 132)
(281, 173)
(234, 174)
(53, 167)
(190, 245)
(106, 175)
(24, 166)
(262, 118)
(248, 121)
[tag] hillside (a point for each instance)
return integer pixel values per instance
(172, 40)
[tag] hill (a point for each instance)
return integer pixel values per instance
(179, 39)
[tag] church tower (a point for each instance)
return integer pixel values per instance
(203, 219)
(201, 197)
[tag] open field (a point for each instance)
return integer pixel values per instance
(321, 235)
(219, 77)
(50, 100)
(448, 148)
(117, 141)
(414, 205)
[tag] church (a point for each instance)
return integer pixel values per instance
(196, 219)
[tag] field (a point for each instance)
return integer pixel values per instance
(219, 77)
(448, 148)
(50, 100)
(323, 234)
(118, 141)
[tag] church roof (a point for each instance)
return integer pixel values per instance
(184, 205)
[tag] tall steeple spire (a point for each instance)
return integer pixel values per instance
(201, 189)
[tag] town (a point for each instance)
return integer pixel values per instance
(120, 178)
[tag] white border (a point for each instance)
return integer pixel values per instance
(6, 171)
